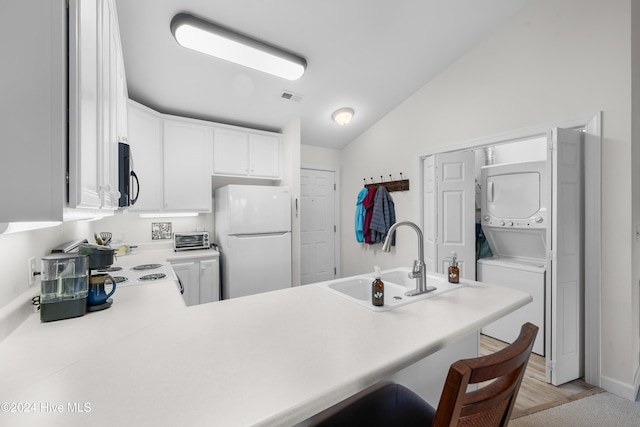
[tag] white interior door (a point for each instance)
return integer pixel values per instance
(455, 204)
(317, 226)
(430, 218)
(565, 257)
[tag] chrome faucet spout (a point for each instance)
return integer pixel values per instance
(419, 271)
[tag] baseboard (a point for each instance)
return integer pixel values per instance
(627, 391)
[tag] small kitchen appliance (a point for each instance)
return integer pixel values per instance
(126, 176)
(64, 286)
(191, 240)
(101, 285)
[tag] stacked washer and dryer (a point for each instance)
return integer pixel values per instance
(514, 208)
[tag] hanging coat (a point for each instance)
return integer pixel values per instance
(360, 211)
(368, 206)
(384, 216)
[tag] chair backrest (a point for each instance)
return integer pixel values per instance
(491, 404)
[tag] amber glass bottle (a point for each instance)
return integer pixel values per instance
(377, 289)
(454, 271)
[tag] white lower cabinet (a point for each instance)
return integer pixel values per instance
(199, 279)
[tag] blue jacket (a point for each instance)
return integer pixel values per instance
(360, 210)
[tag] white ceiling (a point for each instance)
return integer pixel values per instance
(369, 55)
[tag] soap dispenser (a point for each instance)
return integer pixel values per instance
(377, 289)
(454, 271)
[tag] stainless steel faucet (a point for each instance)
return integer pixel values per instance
(419, 271)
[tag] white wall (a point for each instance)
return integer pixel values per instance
(556, 60)
(17, 248)
(312, 155)
(134, 230)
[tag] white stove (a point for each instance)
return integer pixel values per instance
(140, 274)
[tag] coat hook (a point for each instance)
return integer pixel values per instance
(372, 180)
(401, 177)
(381, 179)
(390, 178)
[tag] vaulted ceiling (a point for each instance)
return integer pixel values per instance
(369, 55)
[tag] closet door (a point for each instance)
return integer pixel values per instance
(430, 219)
(565, 257)
(455, 177)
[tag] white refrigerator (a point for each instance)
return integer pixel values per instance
(253, 232)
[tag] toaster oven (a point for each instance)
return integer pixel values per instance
(191, 240)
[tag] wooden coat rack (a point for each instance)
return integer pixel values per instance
(391, 185)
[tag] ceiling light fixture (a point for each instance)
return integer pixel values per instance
(211, 39)
(342, 116)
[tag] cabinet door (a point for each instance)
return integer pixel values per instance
(265, 155)
(189, 276)
(33, 110)
(187, 175)
(122, 94)
(145, 139)
(108, 117)
(230, 152)
(84, 97)
(209, 281)
(93, 150)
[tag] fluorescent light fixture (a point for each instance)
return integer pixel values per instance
(169, 215)
(211, 39)
(342, 116)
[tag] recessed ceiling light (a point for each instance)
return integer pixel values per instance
(342, 116)
(211, 39)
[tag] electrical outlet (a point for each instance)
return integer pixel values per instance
(31, 264)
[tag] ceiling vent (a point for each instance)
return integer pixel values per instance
(291, 96)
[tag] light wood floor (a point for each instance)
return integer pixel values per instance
(535, 393)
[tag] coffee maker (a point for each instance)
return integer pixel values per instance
(64, 286)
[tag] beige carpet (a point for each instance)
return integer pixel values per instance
(602, 409)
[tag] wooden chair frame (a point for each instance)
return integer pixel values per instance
(492, 404)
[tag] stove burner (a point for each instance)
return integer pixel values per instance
(155, 276)
(109, 269)
(120, 279)
(147, 266)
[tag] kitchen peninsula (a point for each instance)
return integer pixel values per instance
(272, 359)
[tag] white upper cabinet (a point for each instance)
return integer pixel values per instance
(230, 152)
(265, 152)
(172, 158)
(175, 158)
(187, 170)
(97, 86)
(57, 109)
(85, 94)
(33, 111)
(247, 154)
(145, 139)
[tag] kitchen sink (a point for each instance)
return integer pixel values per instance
(357, 289)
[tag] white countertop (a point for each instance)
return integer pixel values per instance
(270, 359)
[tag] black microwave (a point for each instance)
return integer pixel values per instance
(126, 176)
